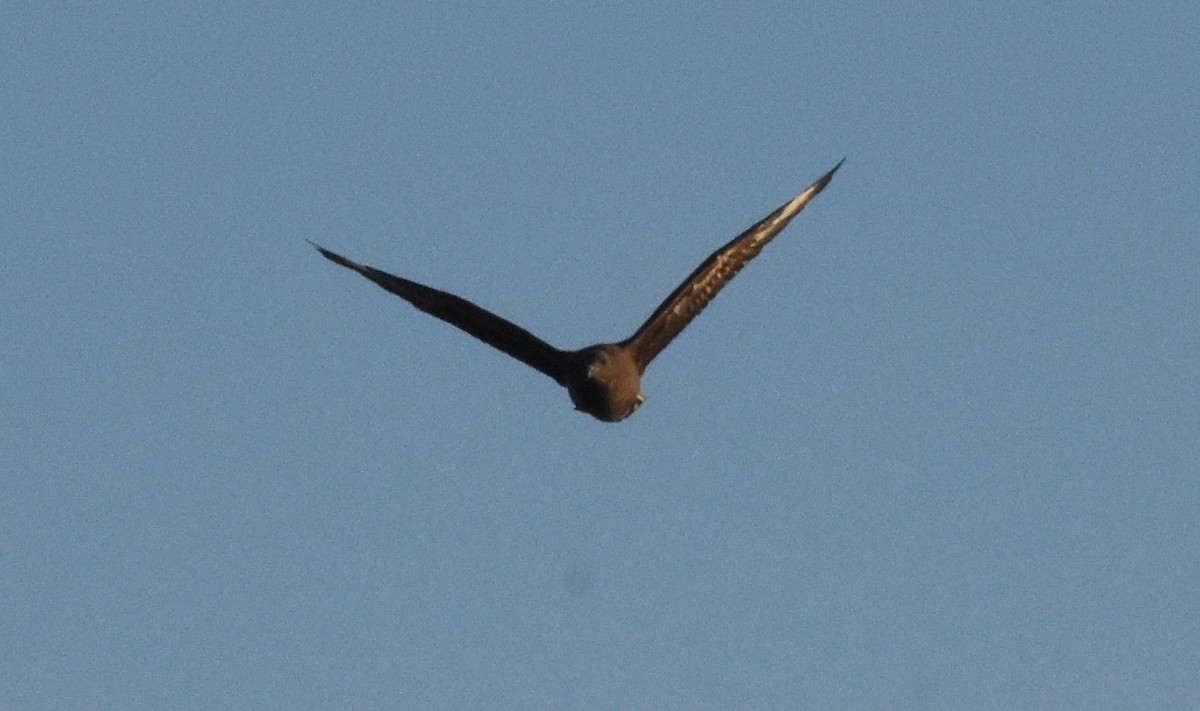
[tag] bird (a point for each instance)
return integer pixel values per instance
(603, 380)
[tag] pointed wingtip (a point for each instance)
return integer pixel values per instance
(336, 258)
(324, 252)
(822, 181)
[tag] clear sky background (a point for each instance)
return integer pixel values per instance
(936, 448)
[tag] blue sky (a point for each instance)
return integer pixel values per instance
(936, 448)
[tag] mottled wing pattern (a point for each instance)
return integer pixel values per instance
(690, 297)
(456, 311)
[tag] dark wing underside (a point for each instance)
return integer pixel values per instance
(456, 311)
(690, 297)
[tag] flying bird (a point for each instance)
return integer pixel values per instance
(603, 380)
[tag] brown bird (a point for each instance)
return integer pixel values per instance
(603, 380)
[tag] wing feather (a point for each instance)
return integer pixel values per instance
(457, 311)
(695, 293)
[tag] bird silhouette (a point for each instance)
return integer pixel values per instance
(603, 380)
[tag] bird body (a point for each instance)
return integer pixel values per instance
(606, 382)
(603, 380)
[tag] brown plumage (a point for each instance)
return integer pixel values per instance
(603, 380)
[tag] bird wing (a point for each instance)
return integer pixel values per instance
(690, 297)
(456, 311)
